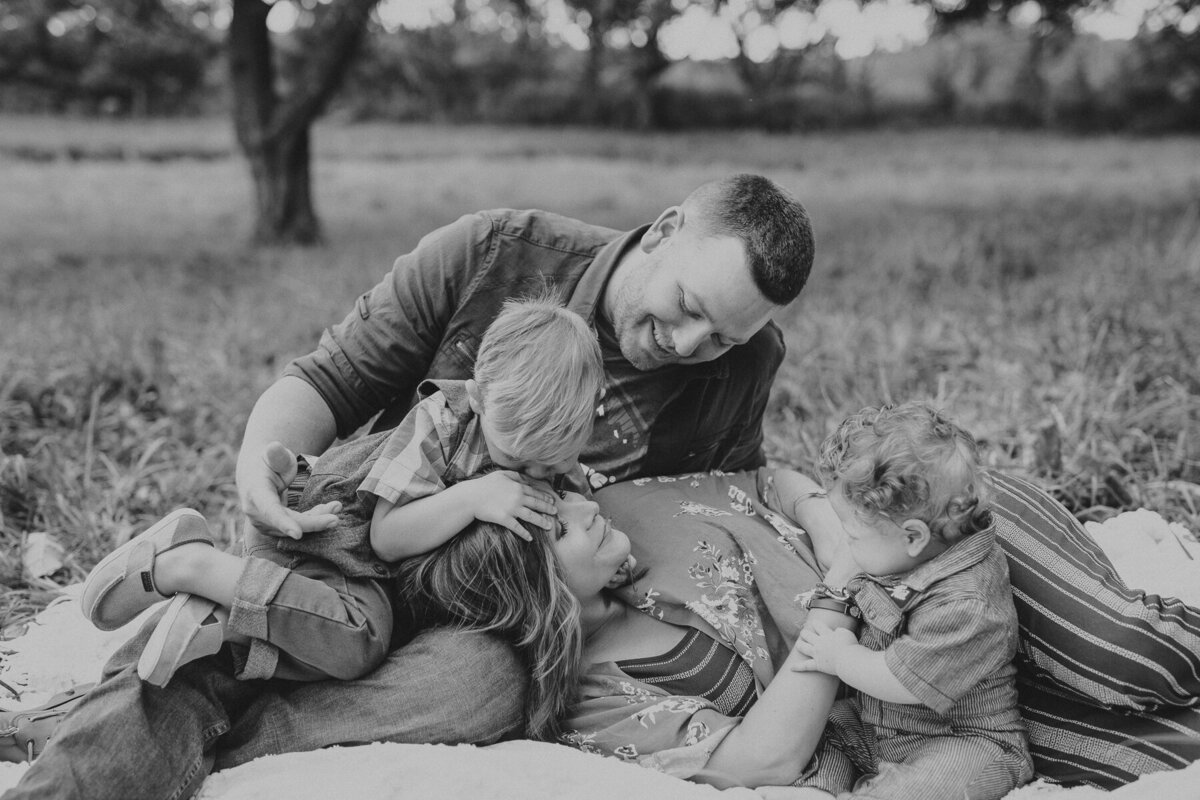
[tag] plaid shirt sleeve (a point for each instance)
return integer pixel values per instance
(413, 460)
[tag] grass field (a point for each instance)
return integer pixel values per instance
(1044, 290)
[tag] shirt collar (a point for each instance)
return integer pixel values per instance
(589, 292)
(962, 555)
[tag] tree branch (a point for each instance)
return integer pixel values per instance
(340, 32)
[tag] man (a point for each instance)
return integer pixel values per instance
(682, 308)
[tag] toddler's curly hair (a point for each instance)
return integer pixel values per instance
(910, 461)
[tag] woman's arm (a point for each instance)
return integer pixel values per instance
(839, 654)
(803, 500)
(774, 742)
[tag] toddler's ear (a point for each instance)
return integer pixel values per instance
(916, 537)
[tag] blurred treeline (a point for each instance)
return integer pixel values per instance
(493, 61)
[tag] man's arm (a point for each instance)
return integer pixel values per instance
(290, 413)
(376, 355)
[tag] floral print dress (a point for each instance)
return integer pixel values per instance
(718, 558)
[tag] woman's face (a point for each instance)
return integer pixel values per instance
(589, 550)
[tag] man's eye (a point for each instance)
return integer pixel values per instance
(683, 306)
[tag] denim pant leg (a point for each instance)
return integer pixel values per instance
(444, 686)
(128, 740)
(306, 620)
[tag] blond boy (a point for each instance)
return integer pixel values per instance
(934, 708)
(321, 606)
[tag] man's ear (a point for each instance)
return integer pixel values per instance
(916, 537)
(473, 398)
(664, 228)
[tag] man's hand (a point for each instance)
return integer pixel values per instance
(505, 498)
(824, 646)
(262, 498)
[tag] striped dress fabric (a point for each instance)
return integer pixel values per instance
(699, 666)
(1108, 676)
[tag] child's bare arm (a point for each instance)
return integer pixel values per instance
(403, 531)
(837, 652)
(803, 500)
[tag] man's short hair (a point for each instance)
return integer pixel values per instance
(910, 462)
(773, 226)
(540, 372)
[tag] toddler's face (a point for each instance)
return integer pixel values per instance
(504, 458)
(878, 546)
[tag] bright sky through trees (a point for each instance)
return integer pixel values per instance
(697, 33)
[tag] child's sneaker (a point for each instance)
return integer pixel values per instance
(122, 585)
(191, 628)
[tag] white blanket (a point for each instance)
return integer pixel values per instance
(61, 649)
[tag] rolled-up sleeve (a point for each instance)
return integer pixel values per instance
(949, 648)
(385, 345)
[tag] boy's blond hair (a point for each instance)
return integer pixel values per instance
(910, 462)
(539, 373)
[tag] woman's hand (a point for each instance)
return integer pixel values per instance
(824, 647)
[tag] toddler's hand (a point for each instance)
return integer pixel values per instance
(823, 646)
(505, 498)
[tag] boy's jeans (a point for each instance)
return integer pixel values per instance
(306, 620)
(130, 740)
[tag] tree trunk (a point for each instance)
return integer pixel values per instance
(274, 131)
(279, 165)
(283, 191)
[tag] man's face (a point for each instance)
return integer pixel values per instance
(690, 300)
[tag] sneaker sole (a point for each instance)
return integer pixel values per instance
(180, 636)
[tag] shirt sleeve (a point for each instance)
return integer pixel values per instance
(638, 723)
(412, 462)
(949, 647)
(385, 345)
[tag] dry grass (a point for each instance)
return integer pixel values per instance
(1042, 289)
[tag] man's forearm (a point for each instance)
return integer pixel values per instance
(290, 411)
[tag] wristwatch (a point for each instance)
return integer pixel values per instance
(831, 599)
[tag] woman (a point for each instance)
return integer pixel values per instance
(685, 666)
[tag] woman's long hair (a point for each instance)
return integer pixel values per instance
(486, 579)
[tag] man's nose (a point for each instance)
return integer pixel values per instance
(689, 337)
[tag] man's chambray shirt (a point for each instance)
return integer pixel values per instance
(426, 318)
(948, 631)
